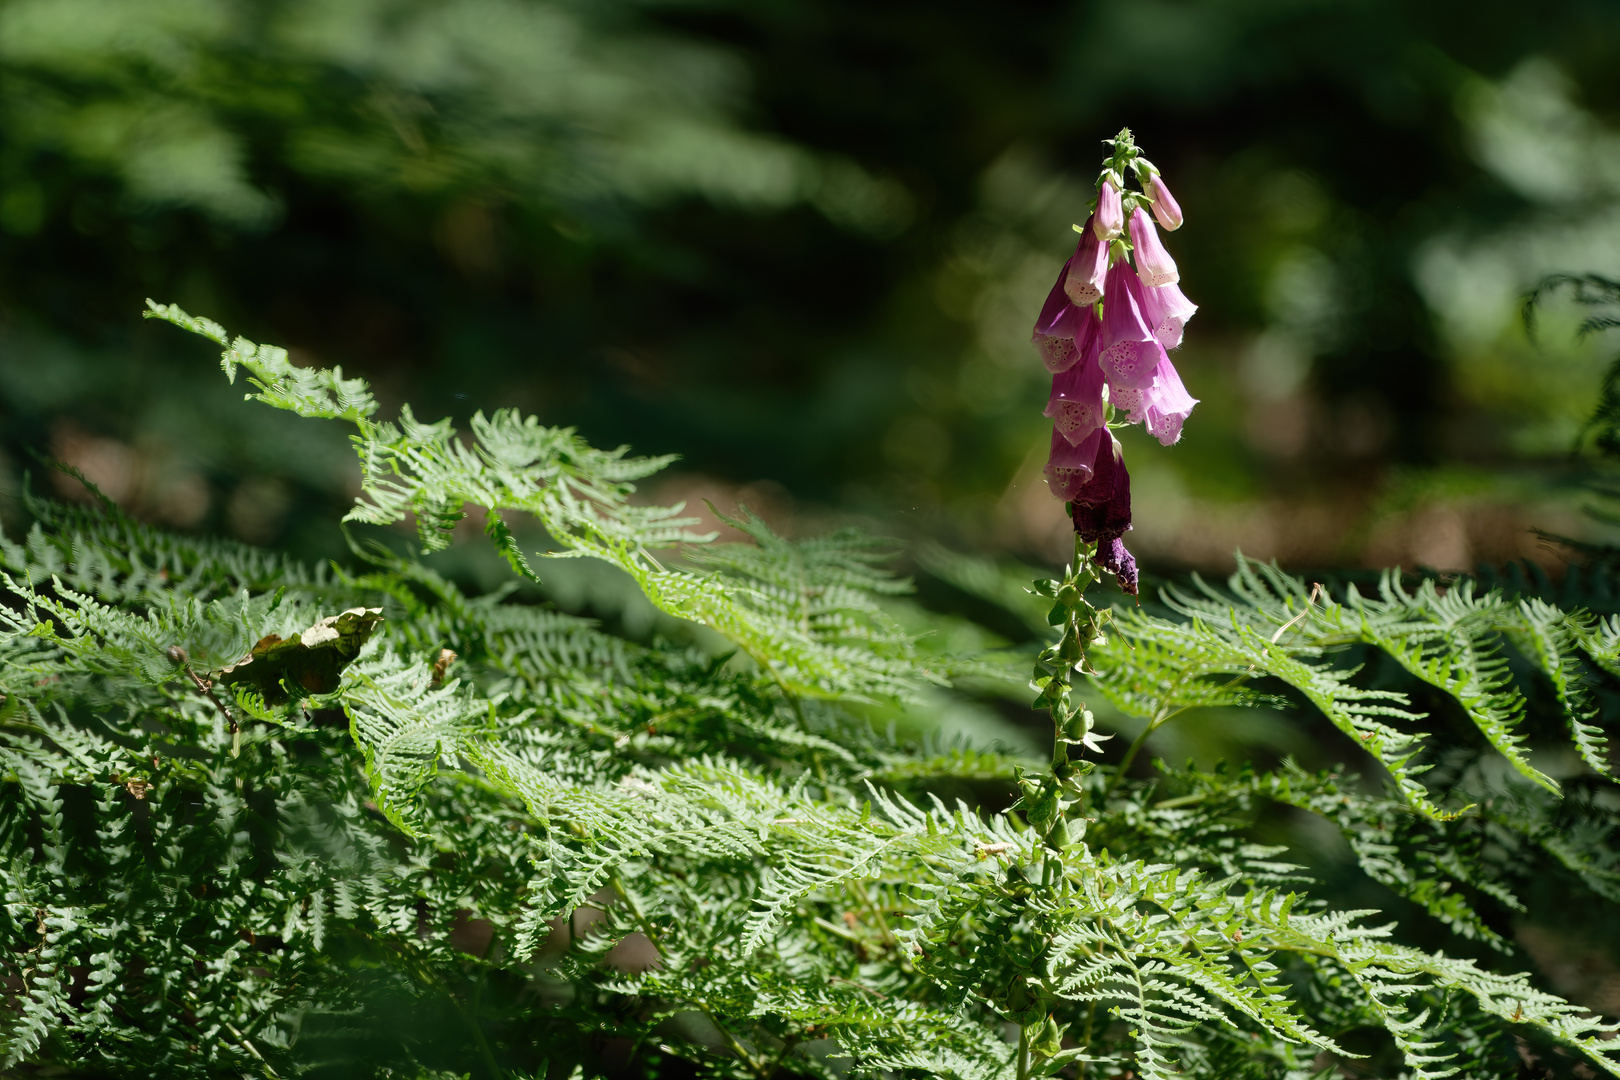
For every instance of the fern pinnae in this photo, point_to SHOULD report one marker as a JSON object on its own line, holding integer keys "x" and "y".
{"x": 800, "y": 874}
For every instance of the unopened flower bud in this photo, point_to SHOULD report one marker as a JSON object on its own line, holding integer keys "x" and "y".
{"x": 1048, "y": 1042}
{"x": 1079, "y": 725}
{"x": 1153, "y": 264}
{"x": 1045, "y": 808}
{"x": 1070, "y": 648}
{"x": 1060, "y": 837}
{"x": 1109, "y": 220}
{"x": 1165, "y": 207}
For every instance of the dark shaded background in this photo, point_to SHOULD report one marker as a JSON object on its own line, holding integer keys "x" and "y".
{"x": 801, "y": 244}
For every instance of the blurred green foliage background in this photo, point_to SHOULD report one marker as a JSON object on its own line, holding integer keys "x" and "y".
{"x": 801, "y": 244}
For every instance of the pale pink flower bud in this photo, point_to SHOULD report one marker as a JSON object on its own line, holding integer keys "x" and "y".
{"x": 1076, "y": 404}
{"x": 1083, "y": 281}
{"x": 1165, "y": 207}
{"x": 1153, "y": 263}
{"x": 1167, "y": 310}
{"x": 1130, "y": 352}
{"x": 1109, "y": 220}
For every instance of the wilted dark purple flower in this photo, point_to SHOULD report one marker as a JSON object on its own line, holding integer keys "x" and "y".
{"x": 1101, "y": 509}
{"x": 1112, "y": 556}
{"x": 1130, "y": 352}
{"x": 1167, "y": 310}
{"x": 1070, "y": 466}
{"x": 1102, "y": 504}
{"x": 1153, "y": 264}
{"x": 1076, "y": 404}
{"x": 1083, "y": 279}
{"x": 1109, "y": 220}
{"x": 1165, "y": 207}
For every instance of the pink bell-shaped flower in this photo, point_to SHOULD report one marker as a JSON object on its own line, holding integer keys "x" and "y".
{"x": 1167, "y": 310}
{"x": 1163, "y": 404}
{"x": 1168, "y": 404}
{"x": 1057, "y": 325}
{"x": 1165, "y": 207}
{"x": 1109, "y": 220}
{"x": 1084, "y": 279}
{"x": 1132, "y": 404}
{"x": 1069, "y": 467}
{"x": 1076, "y": 405}
{"x": 1130, "y": 352}
{"x": 1153, "y": 263}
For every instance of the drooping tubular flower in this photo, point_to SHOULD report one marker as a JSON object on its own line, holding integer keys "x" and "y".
{"x": 1130, "y": 352}
{"x": 1076, "y": 406}
{"x": 1072, "y": 466}
{"x": 1058, "y": 324}
{"x": 1164, "y": 405}
{"x": 1169, "y": 405}
{"x": 1083, "y": 275}
{"x": 1103, "y": 333}
{"x": 1153, "y": 264}
{"x": 1167, "y": 310}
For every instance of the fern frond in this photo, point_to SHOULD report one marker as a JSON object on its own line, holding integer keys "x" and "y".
{"x": 1270, "y": 624}
{"x": 804, "y": 612}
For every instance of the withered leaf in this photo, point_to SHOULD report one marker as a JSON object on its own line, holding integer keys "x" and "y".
{"x": 441, "y": 665}
{"x": 311, "y": 663}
